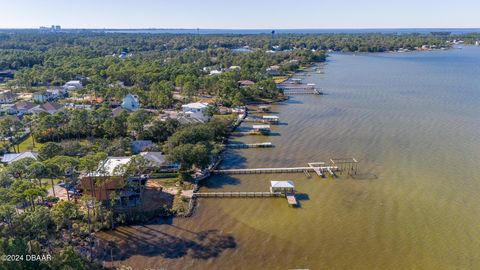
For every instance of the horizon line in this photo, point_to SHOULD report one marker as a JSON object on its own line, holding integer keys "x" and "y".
{"x": 199, "y": 28}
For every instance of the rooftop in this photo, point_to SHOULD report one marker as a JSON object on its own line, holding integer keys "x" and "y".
{"x": 282, "y": 184}
{"x": 195, "y": 105}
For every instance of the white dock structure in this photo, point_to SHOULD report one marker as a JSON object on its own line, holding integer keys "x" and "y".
{"x": 299, "y": 89}
{"x": 318, "y": 170}
{"x": 278, "y": 189}
{"x": 249, "y": 145}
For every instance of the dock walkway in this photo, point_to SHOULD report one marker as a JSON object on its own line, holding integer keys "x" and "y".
{"x": 238, "y": 194}
{"x": 249, "y": 145}
{"x": 318, "y": 170}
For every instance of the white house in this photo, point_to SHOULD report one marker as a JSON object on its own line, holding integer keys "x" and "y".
{"x": 73, "y": 85}
{"x": 7, "y": 96}
{"x": 108, "y": 166}
{"x": 9, "y": 158}
{"x": 195, "y": 110}
{"x": 130, "y": 102}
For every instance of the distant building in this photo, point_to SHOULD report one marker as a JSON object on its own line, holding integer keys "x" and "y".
{"x": 42, "y": 96}
{"x": 234, "y": 68}
{"x": 274, "y": 70}
{"x": 57, "y": 93}
{"x": 245, "y": 83}
{"x": 215, "y": 72}
{"x": 6, "y": 96}
{"x": 49, "y": 107}
{"x": 9, "y": 158}
{"x": 73, "y": 85}
{"x": 130, "y": 102}
{"x": 195, "y": 110}
{"x": 24, "y": 107}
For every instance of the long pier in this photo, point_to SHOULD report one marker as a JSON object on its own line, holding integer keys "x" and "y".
{"x": 238, "y": 194}
{"x": 249, "y": 145}
{"x": 302, "y": 92}
{"x": 320, "y": 171}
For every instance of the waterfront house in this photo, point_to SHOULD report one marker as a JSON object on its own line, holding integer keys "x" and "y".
{"x": 6, "y": 96}
{"x": 73, "y": 85}
{"x": 106, "y": 179}
{"x": 9, "y": 158}
{"x": 159, "y": 161}
{"x": 195, "y": 110}
{"x": 130, "y": 102}
{"x": 282, "y": 186}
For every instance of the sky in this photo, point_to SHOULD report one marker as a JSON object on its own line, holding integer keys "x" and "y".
{"x": 242, "y": 14}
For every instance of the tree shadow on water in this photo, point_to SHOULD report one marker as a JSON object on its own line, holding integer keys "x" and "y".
{"x": 151, "y": 242}
{"x": 219, "y": 181}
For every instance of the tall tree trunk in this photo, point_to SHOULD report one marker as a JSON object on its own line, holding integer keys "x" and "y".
{"x": 53, "y": 187}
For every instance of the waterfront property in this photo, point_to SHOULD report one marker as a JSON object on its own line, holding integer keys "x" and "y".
{"x": 195, "y": 110}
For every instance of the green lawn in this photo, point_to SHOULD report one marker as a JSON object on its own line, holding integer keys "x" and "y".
{"x": 27, "y": 145}
{"x": 166, "y": 182}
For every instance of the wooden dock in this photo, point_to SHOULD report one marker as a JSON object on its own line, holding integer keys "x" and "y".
{"x": 291, "y": 200}
{"x": 249, "y": 145}
{"x": 303, "y": 92}
{"x": 237, "y": 194}
{"x": 318, "y": 170}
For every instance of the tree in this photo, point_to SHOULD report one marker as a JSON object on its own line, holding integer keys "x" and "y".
{"x": 37, "y": 170}
{"x": 190, "y": 154}
{"x": 68, "y": 259}
{"x": 49, "y": 150}
{"x": 137, "y": 120}
{"x": 19, "y": 168}
{"x": 33, "y": 193}
{"x": 63, "y": 214}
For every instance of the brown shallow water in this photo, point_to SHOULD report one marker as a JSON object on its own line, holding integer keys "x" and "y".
{"x": 413, "y": 122}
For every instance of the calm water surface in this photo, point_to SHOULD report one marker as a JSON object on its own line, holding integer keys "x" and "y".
{"x": 411, "y": 119}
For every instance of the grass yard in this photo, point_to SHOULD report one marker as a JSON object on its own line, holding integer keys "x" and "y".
{"x": 27, "y": 145}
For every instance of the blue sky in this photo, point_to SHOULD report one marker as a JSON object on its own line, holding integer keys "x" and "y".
{"x": 245, "y": 14}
